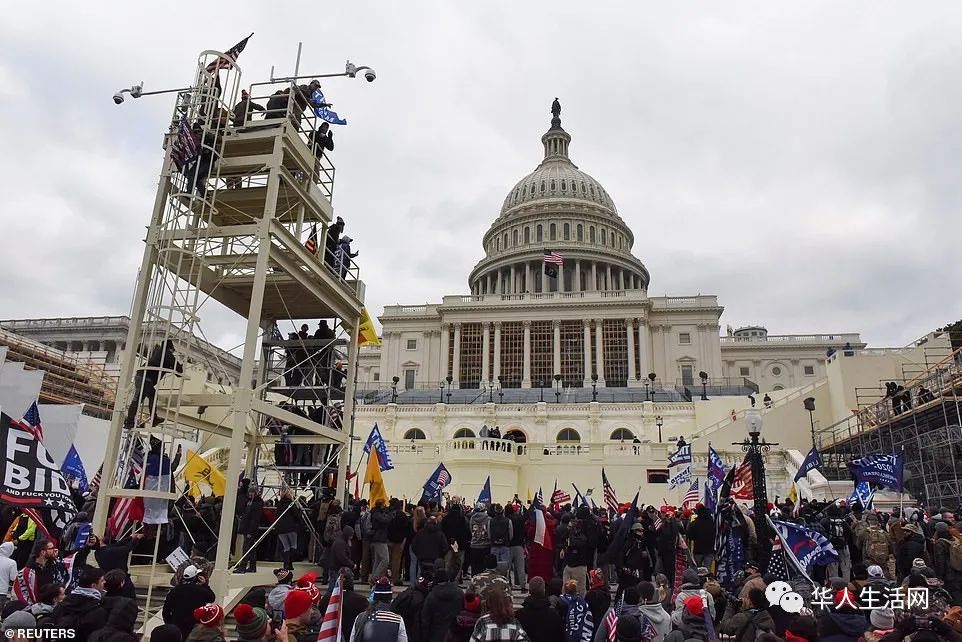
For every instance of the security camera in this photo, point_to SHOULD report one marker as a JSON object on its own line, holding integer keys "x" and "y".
{"x": 118, "y": 98}
{"x": 369, "y": 75}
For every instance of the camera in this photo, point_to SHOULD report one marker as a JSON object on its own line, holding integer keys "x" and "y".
{"x": 118, "y": 98}
{"x": 369, "y": 75}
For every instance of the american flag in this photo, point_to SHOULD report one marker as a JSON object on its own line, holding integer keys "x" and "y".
{"x": 691, "y": 497}
{"x": 129, "y": 509}
{"x": 611, "y": 624}
{"x": 610, "y": 500}
{"x": 230, "y": 56}
{"x": 311, "y": 244}
{"x": 331, "y": 624}
{"x": 776, "y": 564}
{"x": 187, "y": 146}
{"x": 538, "y": 499}
{"x": 444, "y": 478}
{"x": 742, "y": 484}
{"x": 559, "y": 496}
{"x": 550, "y": 256}
{"x": 658, "y": 521}
{"x": 31, "y": 422}
{"x": 95, "y": 482}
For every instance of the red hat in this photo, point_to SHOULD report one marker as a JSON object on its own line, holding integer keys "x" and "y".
{"x": 595, "y": 579}
{"x": 695, "y": 606}
{"x": 472, "y": 602}
{"x": 209, "y": 615}
{"x": 297, "y": 603}
{"x": 306, "y": 583}
{"x": 251, "y": 622}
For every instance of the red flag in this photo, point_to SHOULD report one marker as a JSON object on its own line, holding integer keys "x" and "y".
{"x": 742, "y": 484}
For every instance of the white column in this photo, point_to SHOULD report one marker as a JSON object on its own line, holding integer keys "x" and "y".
{"x": 576, "y": 280}
{"x": 608, "y": 284}
{"x": 624, "y": 280}
{"x": 526, "y": 372}
{"x": 630, "y": 334}
{"x": 513, "y": 288}
{"x": 485, "y": 349}
{"x": 587, "y": 351}
{"x": 599, "y": 352}
{"x": 544, "y": 280}
{"x": 643, "y": 366}
{"x": 556, "y": 326}
{"x": 445, "y": 341}
{"x": 497, "y": 351}
{"x": 670, "y": 373}
{"x": 594, "y": 277}
{"x": 487, "y": 289}
{"x": 527, "y": 277}
{"x": 456, "y": 362}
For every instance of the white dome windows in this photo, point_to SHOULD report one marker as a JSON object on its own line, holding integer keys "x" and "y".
{"x": 552, "y": 232}
{"x": 539, "y": 234}
{"x": 566, "y": 232}
{"x": 527, "y": 235}
{"x": 604, "y": 236}
{"x": 564, "y": 186}
{"x": 514, "y": 239}
{"x": 591, "y": 234}
{"x": 580, "y": 232}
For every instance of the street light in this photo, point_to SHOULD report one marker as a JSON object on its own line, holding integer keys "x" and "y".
{"x": 651, "y": 378}
{"x": 394, "y": 382}
{"x": 541, "y": 390}
{"x": 659, "y": 422}
{"x": 594, "y": 386}
{"x": 450, "y": 381}
{"x": 755, "y": 447}
{"x": 557, "y": 392}
{"x": 704, "y": 385}
{"x": 810, "y": 407}
{"x": 441, "y": 393}
{"x": 500, "y": 391}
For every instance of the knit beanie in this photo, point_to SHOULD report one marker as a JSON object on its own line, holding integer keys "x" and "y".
{"x": 695, "y": 606}
{"x": 882, "y": 619}
{"x": 166, "y": 633}
{"x": 19, "y": 620}
{"x": 251, "y": 621}
{"x": 472, "y": 602}
{"x": 297, "y": 603}
{"x": 210, "y": 615}
{"x": 306, "y": 583}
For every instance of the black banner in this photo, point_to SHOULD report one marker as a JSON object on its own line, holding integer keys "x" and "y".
{"x": 30, "y": 477}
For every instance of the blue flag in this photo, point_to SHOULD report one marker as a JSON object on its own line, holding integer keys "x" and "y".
{"x": 812, "y": 461}
{"x": 716, "y": 475}
{"x": 681, "y": 477}
{"x": 80, "y": 539}
{"x": 73, "y": 468}
{"x": 435, "y": 484}
{"x": 321, "y": 110}
{"x": 884, "y": 470}
{"x": 375, "y": 439}
{"x": 863, "y": 494}
{"x": 711, "y": 497}
{"x": 808, "y": 546}
{"x": 485, "y": 496}
{"x": 680, "y": 456}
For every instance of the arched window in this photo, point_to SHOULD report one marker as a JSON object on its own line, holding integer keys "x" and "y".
{"x": 514, "y": 237}
{"x": 524, "y": 191}
{"x": 591, "y": 188}
{"x": 564, "y": 186}
{"x": 604, "y": 236}
{"x": 516, "y": 436}
{"x": 527, "y": 235}
{"x": 505, "y": 243}
{"x": 581, "y": 232}
{"x": 778, "y": 387}
{"x": 499, "y": 244}
{"x": 552, "y": 232}
{"x": 538, "y": 234}
{"x": 552, "y": 185}
{"x": 542, "y": 187}
{"x": 622, "y": 434}
{"x": 567, "y": 231}
{"x": 568, "y": 434}
{"x": 591, "y": 234}
{"x": 415, "y": 433}
{"x": 464, "y": 433}
{"x": 584, "y": 188}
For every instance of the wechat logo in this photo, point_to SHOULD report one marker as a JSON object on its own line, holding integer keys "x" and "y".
{"x": 781, "y": 593}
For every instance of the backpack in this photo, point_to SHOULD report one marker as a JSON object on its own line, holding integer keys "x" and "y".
{"x": 499, "y": 531}
{"x": 367, "y": 528}
{"x": 331, "y": 529}
{"x": 836, "y": 531}
{"x": 955, "y": 554}
{"x": 876, "y": 544}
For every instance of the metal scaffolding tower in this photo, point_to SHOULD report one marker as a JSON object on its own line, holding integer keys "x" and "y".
{"x": 230, "y": 226}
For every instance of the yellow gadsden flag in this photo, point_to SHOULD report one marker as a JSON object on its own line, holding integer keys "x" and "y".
{"x": 373, "y": 477}
{"x": 366, "y": 332}
{"x": 198, "y": 471}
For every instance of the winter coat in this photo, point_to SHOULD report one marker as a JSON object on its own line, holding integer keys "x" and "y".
{"x": 753, "y": 582}
{"x": 250, "y": 521}
{"x": 601, "y": 631}
{"x": 686, "y": 591}
{"x": 576, "y": 548}
{"x": 83, "y": 614}
{"x": 540, "y": 620}
{"x": 410, "y": 605}
{"x": 701, "y": 532}
{"x": 462, "y": 627}
{"x": 845, "y": 625}
{"x": 500, "y": 531}
{"x": 286, "y": 521}
{"x": 658, "y": 617}
{"x": 429, "y": 544}
{"x": 480, "y": 530}
{"x": 352, "y": 605}
{"x": 441, "y": 607}
{"x": 380, "y": 625}
{"x": 201, "y": 633}
{"x": 120, "y": 623}
{"x": 455, "y": 528}
{"x": 578, "y": 624}
{"x": 275, "y": 600}
{"x": 8, "y": 568}
{"x": 911, "y": 547}
{"x": 487, "y": 630}
{"x": 599, "y": 601}
{"x": 518, "y": 523}
{"x": 380, "y": 520}
{"x": 181, "y": 602}
{"x": 339, "y": 555}
{"x": 746, "y": 624}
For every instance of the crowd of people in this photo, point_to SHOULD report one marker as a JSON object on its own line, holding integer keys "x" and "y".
{"x": 450, "y": 572}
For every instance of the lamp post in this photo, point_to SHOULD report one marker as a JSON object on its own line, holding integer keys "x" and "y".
{"x": 394, "y": 382}
{"x": 755, "y": 447}
{"x": 594, "y": 386}
{"x": 557, "y": 391}
{"x": 810, "y": 407}
{"x": 441, "y": 393}
{"x": 541, "y": 390}
{"x": 490, "y": 385}
{"x": 704, "y": 385}
{"x": 450, "y": 380}
{"x": 500, "y": 391}
{"x": 646, "y": 390}
{"x": 659, "y": 422}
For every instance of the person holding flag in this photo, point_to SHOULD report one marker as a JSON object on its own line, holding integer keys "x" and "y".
{"x": 540, "y": 531}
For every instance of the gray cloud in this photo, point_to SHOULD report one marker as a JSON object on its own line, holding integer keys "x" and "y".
{"x": 799, "y": 161}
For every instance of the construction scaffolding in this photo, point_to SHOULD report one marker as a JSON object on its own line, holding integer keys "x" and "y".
{"x": 237, "y": 200}
{"x": 922, "y": 420}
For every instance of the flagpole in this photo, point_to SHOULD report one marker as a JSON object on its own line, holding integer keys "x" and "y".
{"x": 902, "y": 485}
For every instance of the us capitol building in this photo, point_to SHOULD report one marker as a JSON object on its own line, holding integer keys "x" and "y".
{"x": 580, "y": 371}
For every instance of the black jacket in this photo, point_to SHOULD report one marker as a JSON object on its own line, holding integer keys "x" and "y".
{"x": 702, "y": 534}
{"x": 286, "y": 521}
{"x": 455, "y": 528}
{"x": 120, "y": 623}
{"x": 181, "y": 602}
{"x": 250, "y": 521}
{"x": 380, "y": 520}
{"x": 441, "y": 606}
{"x": 577, "y": 548}
{"x": 429, "y": 544}
{"x": 353, "y": 604}
{"x": 410, "y": 605}
{"x": 80, "y": 613}
{"x": 599, "y": 600}
{"x": 518, "y": 525}
{"x": 540, "y": 620}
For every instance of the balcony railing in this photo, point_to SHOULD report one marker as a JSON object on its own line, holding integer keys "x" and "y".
{"x": 837, "y": 340}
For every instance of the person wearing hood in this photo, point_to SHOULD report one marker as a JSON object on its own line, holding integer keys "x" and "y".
{"x": 277, "y": 595}
{"x": 598, "y": 596}
{"x": 82, "y": 610}
{"x": 343, "y": 255}
{"x": 701, "y": 532}
{"x": 463, "y": 625}
{"x": 330, "y": 242}
{"x": 540, "y": 620}
{"x": 339, "y": 555}
{"x": 844, "y": 623}
{"x": 501, "y": 531}
{"x": 751, "y": 621}
{"x": 941, "y": 550}
{"x": 429, "y": 545}
{"x": 8, "y": 571}
{"x": 909, "y": 543}
{"x": 120, "y": 623}
{"x": 210, "y": 624}
{"x": 441, "y": 607}
{"x": 480, "y": 526}
{"x": 690, "y": 585}
{"x": 192, "y": 593}
{"x": 455, "y": 529}
{"x": 249, "y": 526}
{"x": 693, "y": 625}
{"x": 48, "y": 597}
{"x": 639, "y": 602}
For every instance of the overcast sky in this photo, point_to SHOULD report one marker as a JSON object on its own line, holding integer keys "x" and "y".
{"x": 800, "y": 160}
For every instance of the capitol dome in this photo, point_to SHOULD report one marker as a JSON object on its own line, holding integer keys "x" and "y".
{"x": 560, "y": 209}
